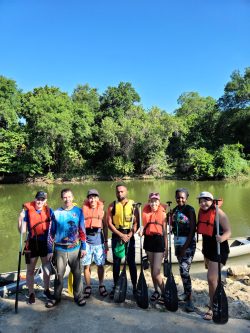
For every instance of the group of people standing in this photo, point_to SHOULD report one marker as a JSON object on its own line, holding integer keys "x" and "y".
{"x": 79, "y": 236}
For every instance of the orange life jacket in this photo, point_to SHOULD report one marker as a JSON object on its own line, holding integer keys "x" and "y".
{"x": 93, "y": 217}
{"x": 153, "y": 221}
{"x": 39, "y": 222}
{"x": 206, "y": 219}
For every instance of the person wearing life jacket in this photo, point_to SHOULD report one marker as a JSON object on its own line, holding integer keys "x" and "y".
{"x": 96, "y": 242}
{"x": 207, "y": 226}
{"x": 183, "y": 228}
{"x": 122, "y": 221}
{"x": 155, "y": 241}
{"x": 35, "y": 220}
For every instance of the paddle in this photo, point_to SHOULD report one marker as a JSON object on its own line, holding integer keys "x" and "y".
{"x": 121, "y": 285}
{"x": 220, "y": 303}
{"x": 70, "y": 284}
{"x": 141, "y": 288}
{"x": 170, "y": 292}
{"x": 19, "y": 266}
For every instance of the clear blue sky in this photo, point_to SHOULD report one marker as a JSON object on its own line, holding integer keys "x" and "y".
{"x": 162, "y": 47}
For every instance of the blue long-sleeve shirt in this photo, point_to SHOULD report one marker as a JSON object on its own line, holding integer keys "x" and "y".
{"x": 67, "y": 230}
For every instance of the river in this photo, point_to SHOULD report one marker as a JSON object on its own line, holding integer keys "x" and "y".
{"x": 235, "y": 203}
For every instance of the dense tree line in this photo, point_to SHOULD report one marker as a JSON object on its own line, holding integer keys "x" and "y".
{"x": 48, "y": 132}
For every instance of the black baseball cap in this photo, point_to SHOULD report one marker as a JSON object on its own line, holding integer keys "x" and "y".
{"x": 41, "y": 194}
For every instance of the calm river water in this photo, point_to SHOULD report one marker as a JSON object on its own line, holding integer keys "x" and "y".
{"x": 235, "y": 196}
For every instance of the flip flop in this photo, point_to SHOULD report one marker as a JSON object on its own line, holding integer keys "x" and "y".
{"x": 102, "y": 290}
{"x": 208, "y": 315}
{"x": 87, "y": 292}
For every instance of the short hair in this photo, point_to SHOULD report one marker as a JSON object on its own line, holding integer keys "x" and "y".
{"x": 182, "y": 189}
{"x": 118, "y": 185}
{"x": 64, "y": 191}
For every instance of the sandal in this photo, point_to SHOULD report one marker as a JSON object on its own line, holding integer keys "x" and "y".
{"x": 81, "y": 302}
{"x": 155, "y": 296}
{"x": 87, "y": 292}
{"x": 161, "y": 301}
{"x": 102, "y": 290}
{"x": 208, "y": 315}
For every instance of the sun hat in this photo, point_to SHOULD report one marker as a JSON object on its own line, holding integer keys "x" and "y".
{"x": 93, "y": 192}
{"x": 205, "y": 195}
{"x": 41, "y": 194}
{"x": 154, "y": 195}
{"x": 119, "y": 250}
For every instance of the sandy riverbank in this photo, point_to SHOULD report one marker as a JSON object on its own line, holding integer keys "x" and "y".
{"x": 103, "y": 315}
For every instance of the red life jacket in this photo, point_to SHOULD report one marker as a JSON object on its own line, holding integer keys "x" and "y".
{"x": 206, "y": 219}
{"x": 153, "y": 221}
{"x": 39, "y": 222}
{"x": 93, "y": 217}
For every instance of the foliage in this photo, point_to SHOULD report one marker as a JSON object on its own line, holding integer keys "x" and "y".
{"x": 48, "y": 132}
{"x": 229, "y": 162}
{"x": 200, "y": 163}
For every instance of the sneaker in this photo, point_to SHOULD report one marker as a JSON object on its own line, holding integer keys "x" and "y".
{"x": 189, "y": 306}
{"x": 32, "y": 299}
{"x": 47, "y": 294}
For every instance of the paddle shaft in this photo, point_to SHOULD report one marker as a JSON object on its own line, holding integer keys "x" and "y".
{"x": 19, "y": 266}
{"x": 169, "y": 235}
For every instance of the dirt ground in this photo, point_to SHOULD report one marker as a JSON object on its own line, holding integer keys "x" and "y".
{"x": 102, "y": 315}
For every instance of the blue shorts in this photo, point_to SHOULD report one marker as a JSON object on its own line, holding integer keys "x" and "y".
{"x": 94, "y": 253}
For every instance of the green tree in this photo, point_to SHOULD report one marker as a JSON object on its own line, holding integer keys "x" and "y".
{"x": 117, "y": 101}
{"x": 200, "y": 164}
{"x": 229, "y": 162}
{"x": 48, "y": 115}
{"x": 234, "y": 122}
{"x": 11, "y": 133}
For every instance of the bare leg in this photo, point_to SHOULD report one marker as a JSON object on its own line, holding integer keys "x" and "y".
{"x": 87, "y": 275}
{"x": 212, "y": 278}
{"x": 100, "y": 272}
{"x": 30, "y": 274}
{"x": 158, "y": 256}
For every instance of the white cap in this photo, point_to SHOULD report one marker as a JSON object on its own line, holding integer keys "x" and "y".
{"x": 205, "y": 195}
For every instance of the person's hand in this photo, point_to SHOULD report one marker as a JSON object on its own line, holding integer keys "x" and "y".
{"x": 49, "y": 256}
{"x": 106, "y": 247}
{"x": 125, "y": 238}
{"x": 166, "y": 254}
{"x": 83, "y": 253}
{"x": 219, "y": 238}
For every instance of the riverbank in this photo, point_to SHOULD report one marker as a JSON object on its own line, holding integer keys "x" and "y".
{"x": 102, "y": 314}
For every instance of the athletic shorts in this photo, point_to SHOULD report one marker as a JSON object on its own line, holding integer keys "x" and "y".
{"x": 154, "y": 243}
{"x": 94, "y": 253}
{"x": 38, "y": 248}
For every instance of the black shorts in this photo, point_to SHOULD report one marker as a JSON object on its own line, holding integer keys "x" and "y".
{"x": 38, "y": 248}
{"x": 154, "y": 243}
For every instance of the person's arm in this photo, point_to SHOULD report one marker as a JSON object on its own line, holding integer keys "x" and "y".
{"x": 51, "y": 236}
{"x": 192, "y": 220}
{"x": 165, "y": 235}
{"x": 22, "y": 222}
{"x": 224, "y": 222}
{"x": 82, "y": 234}
{"x": 105, "y": 231}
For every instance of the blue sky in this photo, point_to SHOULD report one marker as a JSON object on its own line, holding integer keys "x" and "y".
{"x": 163, "y": 48}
